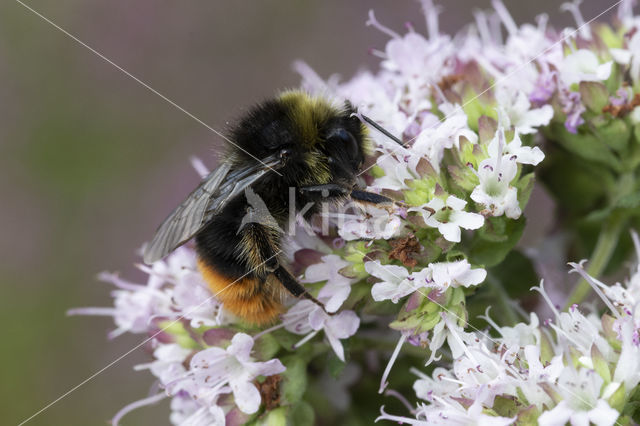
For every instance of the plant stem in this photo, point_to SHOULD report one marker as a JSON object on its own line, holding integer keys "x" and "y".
{"x": 607, "y": 242}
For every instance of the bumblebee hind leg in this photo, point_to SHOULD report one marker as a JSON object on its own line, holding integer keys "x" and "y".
{"x": 261, "y": 249}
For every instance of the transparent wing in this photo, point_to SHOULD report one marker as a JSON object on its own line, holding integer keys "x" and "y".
{"x": 203, "y": 203}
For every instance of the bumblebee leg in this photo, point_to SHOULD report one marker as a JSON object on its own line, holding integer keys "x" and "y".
{"x": 261, "y": 250}
{"x": 370, "y": 198}
{"x": 294, "y": 287}
{"x": 326, "y": 190}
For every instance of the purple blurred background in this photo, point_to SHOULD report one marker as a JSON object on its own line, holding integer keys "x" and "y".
{"x": 92, "y": 161}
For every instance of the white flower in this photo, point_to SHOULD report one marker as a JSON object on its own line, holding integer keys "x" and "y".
{"x": 188, "y": 412}
{"x": 516, "y": 108}
{"x": 583, "y": 65}
{"x": 494, "y": 190}
{"x": 537, "y": 374}
{"x": 396, "y": 281}
{"x": 442, "y": 384}
{"x": 581, "y": 403}
{"x": 456, "y": 338}
{"x": 449, "y": 217}
{"x": 216, "y": 368}
{"x": 455, "y": 274}
{"x": 523, "y": 154}
{"x": 373, "y": 223}
{"x": 168, "y": 364}
{"x": 435, "y": 138}
{"x": 396, "y": 173}
{"x": 337, "y": 288}
{"x": 195, "y": 301}
{"x": 305, "y": 317}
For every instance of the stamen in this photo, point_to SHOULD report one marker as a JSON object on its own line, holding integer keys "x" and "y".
{"x": 307, "y": 73}
{"x": 625, "y": 10}
{"x": 378, "y": 53}
{"x": 483, "y": 27}
{"x": 505, "y": 17}
{"x": 636, "y": 243}
{"x": 392, "y": 360}
{"x": 305, "y": 339}
{"x": 137, "y": 404}
{"x": 269, "y": 330}
{"x": 431, "y": 13}
{"x": 100, "y": 311}
{"x": 574, "y": 9}
{"x": 542, "y": 21}
{"x": 373, "y": 22}
{"x": 577, "y": 267}
{"x": 546, "y": 298}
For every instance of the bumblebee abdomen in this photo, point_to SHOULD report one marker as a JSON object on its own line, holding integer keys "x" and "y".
{"x": 249, "y": 298}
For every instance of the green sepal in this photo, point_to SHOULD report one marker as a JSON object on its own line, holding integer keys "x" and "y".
{"x": 595, "y": 95}
{"x": 618, "y": 399}
{"x": 275, "y": 417}
{"x": 632, "y": 406}
{"x": 376, "y": 171}
{"x": 600, "y": 365}
{"x": 301, "y": 414}
{"x": 506, "y": 406}
{"x": 528, "y": 416}
{"x": 525, "y": 187}
{"x": 266, "y": 346}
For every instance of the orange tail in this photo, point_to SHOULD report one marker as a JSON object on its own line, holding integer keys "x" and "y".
{"x": 248, "y": 298}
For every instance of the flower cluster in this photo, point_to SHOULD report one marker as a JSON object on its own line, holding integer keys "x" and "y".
{"x": 409, "y": 283}
{"x": 579, "y": 367}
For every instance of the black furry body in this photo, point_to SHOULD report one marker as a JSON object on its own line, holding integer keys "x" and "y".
{"x": 327, "y": 149}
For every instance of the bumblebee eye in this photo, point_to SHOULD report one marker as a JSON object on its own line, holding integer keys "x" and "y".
{"x": 347, "y": 140}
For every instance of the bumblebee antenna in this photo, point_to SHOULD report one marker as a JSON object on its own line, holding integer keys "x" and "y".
{"x": 382, "y": 130}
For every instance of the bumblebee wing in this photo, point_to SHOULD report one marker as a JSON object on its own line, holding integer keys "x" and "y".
{"x": 202, "y": 204}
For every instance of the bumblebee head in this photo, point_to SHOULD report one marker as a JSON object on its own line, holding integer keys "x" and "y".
{"x": 325, "y": 143}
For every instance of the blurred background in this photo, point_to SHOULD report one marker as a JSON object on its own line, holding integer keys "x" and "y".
{"x": 91, "y": 161}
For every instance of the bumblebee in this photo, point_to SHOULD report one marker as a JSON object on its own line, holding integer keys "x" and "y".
{"x": 292, "y": 141}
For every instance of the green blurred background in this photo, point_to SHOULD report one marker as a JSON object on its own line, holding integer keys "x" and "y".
{"x": 91, "y": 161}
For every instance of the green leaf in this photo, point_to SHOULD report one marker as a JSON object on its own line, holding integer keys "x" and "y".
{"x": 584, "y": 145}
{"x": 614, "y": 133}
{"x": 294, "y": 379}
{"x": 491, "y": 251}
{"x": 335, "y": 366}
{"x": 516, "y": 274}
